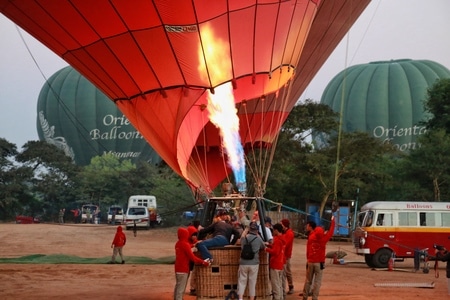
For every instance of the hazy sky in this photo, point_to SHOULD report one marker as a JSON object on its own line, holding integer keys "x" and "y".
{"x": 387, "y": 29}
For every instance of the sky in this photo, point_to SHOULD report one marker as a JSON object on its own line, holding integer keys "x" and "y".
{"x": 387, "y": 29}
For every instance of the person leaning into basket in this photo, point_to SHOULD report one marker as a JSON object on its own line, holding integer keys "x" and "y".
{"x": 248, "y": 268}
{"x": 223, "y": 234}
{"x": 183, "y": 255}
{"x": 443, "y": 255}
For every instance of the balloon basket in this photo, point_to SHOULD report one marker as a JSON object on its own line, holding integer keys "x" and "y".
{"x": 221, "y": 278}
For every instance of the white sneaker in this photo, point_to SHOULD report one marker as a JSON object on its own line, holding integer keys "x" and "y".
{"x": 209, "y": 261}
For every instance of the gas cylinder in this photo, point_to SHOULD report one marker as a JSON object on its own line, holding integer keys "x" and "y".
{"x": 391, "y": 263}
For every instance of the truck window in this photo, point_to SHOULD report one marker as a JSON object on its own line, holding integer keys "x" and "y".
{"x": 407, "y": 219}
{"x": 427, "y": 219}
{"x": 369, "y": 219}
{"x": 361, "y": 219}
{"x": 384, "y": 219}
{"x": 445, "y": 219}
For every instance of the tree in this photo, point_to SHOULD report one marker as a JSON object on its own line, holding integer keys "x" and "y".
{"x": 287, "y": 182}
{"x": 438, "y": 104}
{"x": 102, "y": 181}
{"x": 355, "y": 167}
{"x": 431, "y": 162}
{"x": 14, "y": 190}
{"x": 52, "y": 175}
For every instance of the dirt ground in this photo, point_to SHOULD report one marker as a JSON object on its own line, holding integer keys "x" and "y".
{"x": 352, "y": 280}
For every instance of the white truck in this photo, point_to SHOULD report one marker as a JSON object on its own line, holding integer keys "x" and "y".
{"x": 148, "y": 201}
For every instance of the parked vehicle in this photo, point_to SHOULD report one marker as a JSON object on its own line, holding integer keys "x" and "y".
{"x": 115, "y": 212}
{"x": 149, "y": 202}
{"x": 137, "y": 216}
{"x": 89, "y": 210}
{"x": 399, "y": 230}
{"x": 188, "y": 215}
{"x": 27, "y": 220}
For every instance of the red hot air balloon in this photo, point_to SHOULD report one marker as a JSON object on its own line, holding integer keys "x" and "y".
{"x": 158, "y": 61}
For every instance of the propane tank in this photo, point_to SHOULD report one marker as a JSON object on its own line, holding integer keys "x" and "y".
{"x": 335, "y": 259}
{"x": 391, "y": 263}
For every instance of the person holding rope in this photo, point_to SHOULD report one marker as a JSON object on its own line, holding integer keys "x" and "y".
{"x": 315, "y": 257}
{"x": 443, "y": 255}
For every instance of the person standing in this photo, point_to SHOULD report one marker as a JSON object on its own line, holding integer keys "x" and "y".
{"x": 443, "y": 255}
{"x": 315, "y": 257}
{"x": 288, "y": 236}
{"x": 61, "y": 215}
{"x": 243, "y": 218}
{"x": 248, "y": 268}
{"x": 277, "y": 262}
{"x": 267, "y": 234}
{"x": 268, "y": 224}
{"x": 88, "y": 215}
{"x": 183, "y": 255}
{"x": 117, "y": 245}
{"x": 193, "y": 239}
{"x": 75, "y": 212}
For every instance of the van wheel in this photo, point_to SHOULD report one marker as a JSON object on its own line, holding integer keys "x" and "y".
{"x": 381, "y": 258}
{"x": 369, "y": 260}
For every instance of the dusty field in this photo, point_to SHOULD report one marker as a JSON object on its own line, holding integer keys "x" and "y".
{"x": 132, "y": 281}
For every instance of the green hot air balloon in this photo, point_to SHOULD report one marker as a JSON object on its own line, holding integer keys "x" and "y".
{"x": 78, "y": 118}
{"x": 385, "y": 98}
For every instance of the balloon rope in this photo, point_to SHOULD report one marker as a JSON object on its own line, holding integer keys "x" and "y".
{"x": 286, "y": 92}
{"x": 341, "y": 118}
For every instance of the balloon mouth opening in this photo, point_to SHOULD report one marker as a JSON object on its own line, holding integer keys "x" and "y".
{"x": 227, "y": 189}
{"x": 242, "y": 188}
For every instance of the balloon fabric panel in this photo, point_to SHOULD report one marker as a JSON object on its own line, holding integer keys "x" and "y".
{"x": 156, "y": 60}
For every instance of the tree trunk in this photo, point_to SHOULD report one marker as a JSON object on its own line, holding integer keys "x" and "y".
{"x": 437, "y": 191}
{"x": 324, "y": 202}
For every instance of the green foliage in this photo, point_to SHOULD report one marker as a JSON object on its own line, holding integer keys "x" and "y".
{"x": 438, "y": 104}
{"x": 39, "y": 180}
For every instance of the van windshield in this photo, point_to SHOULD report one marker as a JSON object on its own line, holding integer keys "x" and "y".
{"x": 137, "y": 211}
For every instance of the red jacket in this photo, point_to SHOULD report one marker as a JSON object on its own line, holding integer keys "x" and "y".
{"x": 119, "y": 239}
{"x": 289, "y": 239}
{"x": 317, "y": 241}
{"x": 276, "y": 251}
{"x": 183, "y": 252}
{"x": 193, "y": 232}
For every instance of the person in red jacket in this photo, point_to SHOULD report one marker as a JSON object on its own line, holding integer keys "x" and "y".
{"x": 288, "y": 236}
{"x": 117, "y": 244}
{"x": 315, "y": 257}
{"x": 277, "y": 262}
{"x": 193, "y": 239}
{"x": 183, "y": 255}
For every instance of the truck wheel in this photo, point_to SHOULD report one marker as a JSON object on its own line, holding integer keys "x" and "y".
{"x": 369, "y": 260}
{"x": 381, "y": 258}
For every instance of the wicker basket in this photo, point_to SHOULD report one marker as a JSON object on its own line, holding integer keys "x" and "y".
{"x": 221, "y": 278}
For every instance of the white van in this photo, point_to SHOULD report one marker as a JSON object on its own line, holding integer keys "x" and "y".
{"x": 148, "y": 201}
{"x": 137, "y": 215}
